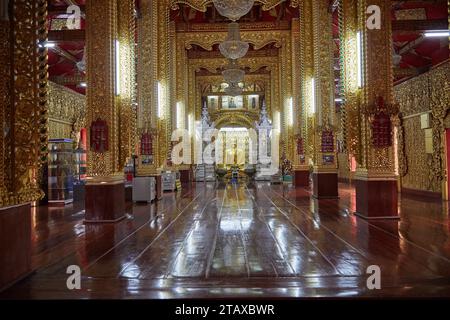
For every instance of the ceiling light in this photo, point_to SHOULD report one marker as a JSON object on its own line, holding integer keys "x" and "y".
{"x": 47, "y": 45}
{"x": 160, "y": 100}
{"x": 118, "y": 76}
{"x": 312, "y": 109}
{"x": 232, "y": 73}
{"x": 233, "y": 9}
{"x": 291, "y": 111}
{"x": 359, "y": 52}
{"x": 434, "y": 34}
{"x": 233, "y": 89}
{"x": 233, "y": 47}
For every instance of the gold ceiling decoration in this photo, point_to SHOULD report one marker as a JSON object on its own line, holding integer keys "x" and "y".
{"x": 259, "y": 39}
{"x": 201, "y": 5}
{"x": 254, "y": 64}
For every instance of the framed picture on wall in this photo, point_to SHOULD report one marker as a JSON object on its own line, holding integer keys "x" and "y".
{"x": 213, "y": 102}
{"x": 232, "y": 102}
{"x": 253, "y": 102}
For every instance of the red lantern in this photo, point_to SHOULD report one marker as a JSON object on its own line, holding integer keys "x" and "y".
{"x": 327, "y": 141}
{"x": 99, "y": 136}
{"x": 146, "y": 144}
{"x": 381, "y": 131}
{"x": 381, "y": 124}
{"x": 300, "y": 149}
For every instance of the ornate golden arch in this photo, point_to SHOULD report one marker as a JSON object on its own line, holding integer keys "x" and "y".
{"x": 235, "y": 118}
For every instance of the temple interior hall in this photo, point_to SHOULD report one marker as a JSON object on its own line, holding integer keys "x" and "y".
{"x": 266, "y": 149}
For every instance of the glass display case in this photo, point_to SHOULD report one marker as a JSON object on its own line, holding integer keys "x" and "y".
{"x": 79, "y": 173}
{"x": 171, "y": 181}
{"x": 61, "y": 165}
{"x": 80, "y": 164}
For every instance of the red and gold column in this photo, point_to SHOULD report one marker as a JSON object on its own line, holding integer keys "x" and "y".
{"x": 23, "y": 121}
{"x": 109, "y": 114}
{"x": 304, "y": 61}
{"x": 325, "y": 179}
{"x": 368, "y": 90}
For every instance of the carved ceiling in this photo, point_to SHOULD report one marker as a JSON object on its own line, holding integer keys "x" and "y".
{"x": 204, "y": 5}
{"x": 410, "y": 18}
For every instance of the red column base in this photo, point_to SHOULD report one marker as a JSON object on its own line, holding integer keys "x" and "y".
{"x": 185, "y": 176}
{"x": 15, "y": 244}
{"x": 325, "y": 186}
{"x": 105, "y": 202}
{"x": 376, "y": 199}
{"x": 301, "y": 178}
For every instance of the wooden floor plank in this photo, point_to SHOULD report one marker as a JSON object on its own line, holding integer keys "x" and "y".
{"x": 255, "y": 240}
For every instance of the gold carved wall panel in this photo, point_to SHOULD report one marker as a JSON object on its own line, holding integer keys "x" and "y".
{"x": 426, "y": 93}
{"x": 420, "y": 174}
{"x": 67, "y": 112}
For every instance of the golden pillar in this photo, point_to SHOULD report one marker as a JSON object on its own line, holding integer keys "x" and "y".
{"x": 109, "y": 114}
{"x": 23, "y": 101}
{"x": 302, "y": 65}
{"x": 325, "y": 180}
{"x": 127, "y": 95}
{"x": 148, "y": 85}
{"x": 348, "y": 30}
{"x": 375, "y": 178}
{"x": 23, "y": 121}
{"x": 156, "y": 85}
{"x": 5, "y": 101}
{"x": 165, "y": 36}
{"x": 286, "y": 77}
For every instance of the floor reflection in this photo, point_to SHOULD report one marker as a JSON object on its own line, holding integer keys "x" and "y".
{"x": 242, "y": 240}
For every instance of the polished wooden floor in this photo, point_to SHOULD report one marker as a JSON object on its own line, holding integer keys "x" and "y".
{"x": 259, "y": 241}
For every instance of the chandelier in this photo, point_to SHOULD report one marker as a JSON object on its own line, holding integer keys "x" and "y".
{"x": 233, "y": 9}
{"x": 233, "y": 47}
{"x": 232, "y": 73}
{"x": 233, "y": 89}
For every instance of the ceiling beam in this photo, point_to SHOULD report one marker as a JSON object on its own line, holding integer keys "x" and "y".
{"x": 405, "y": 72}
{"x": 223, "y": 27}
{"x": 419, "y": 25}
{"x": 59, "y": 10}
{"x": 411, "y": 45}
{"x": 64, "y": 53}
{"x": 66, "y": 35}
{"x": 69, "y": 80}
